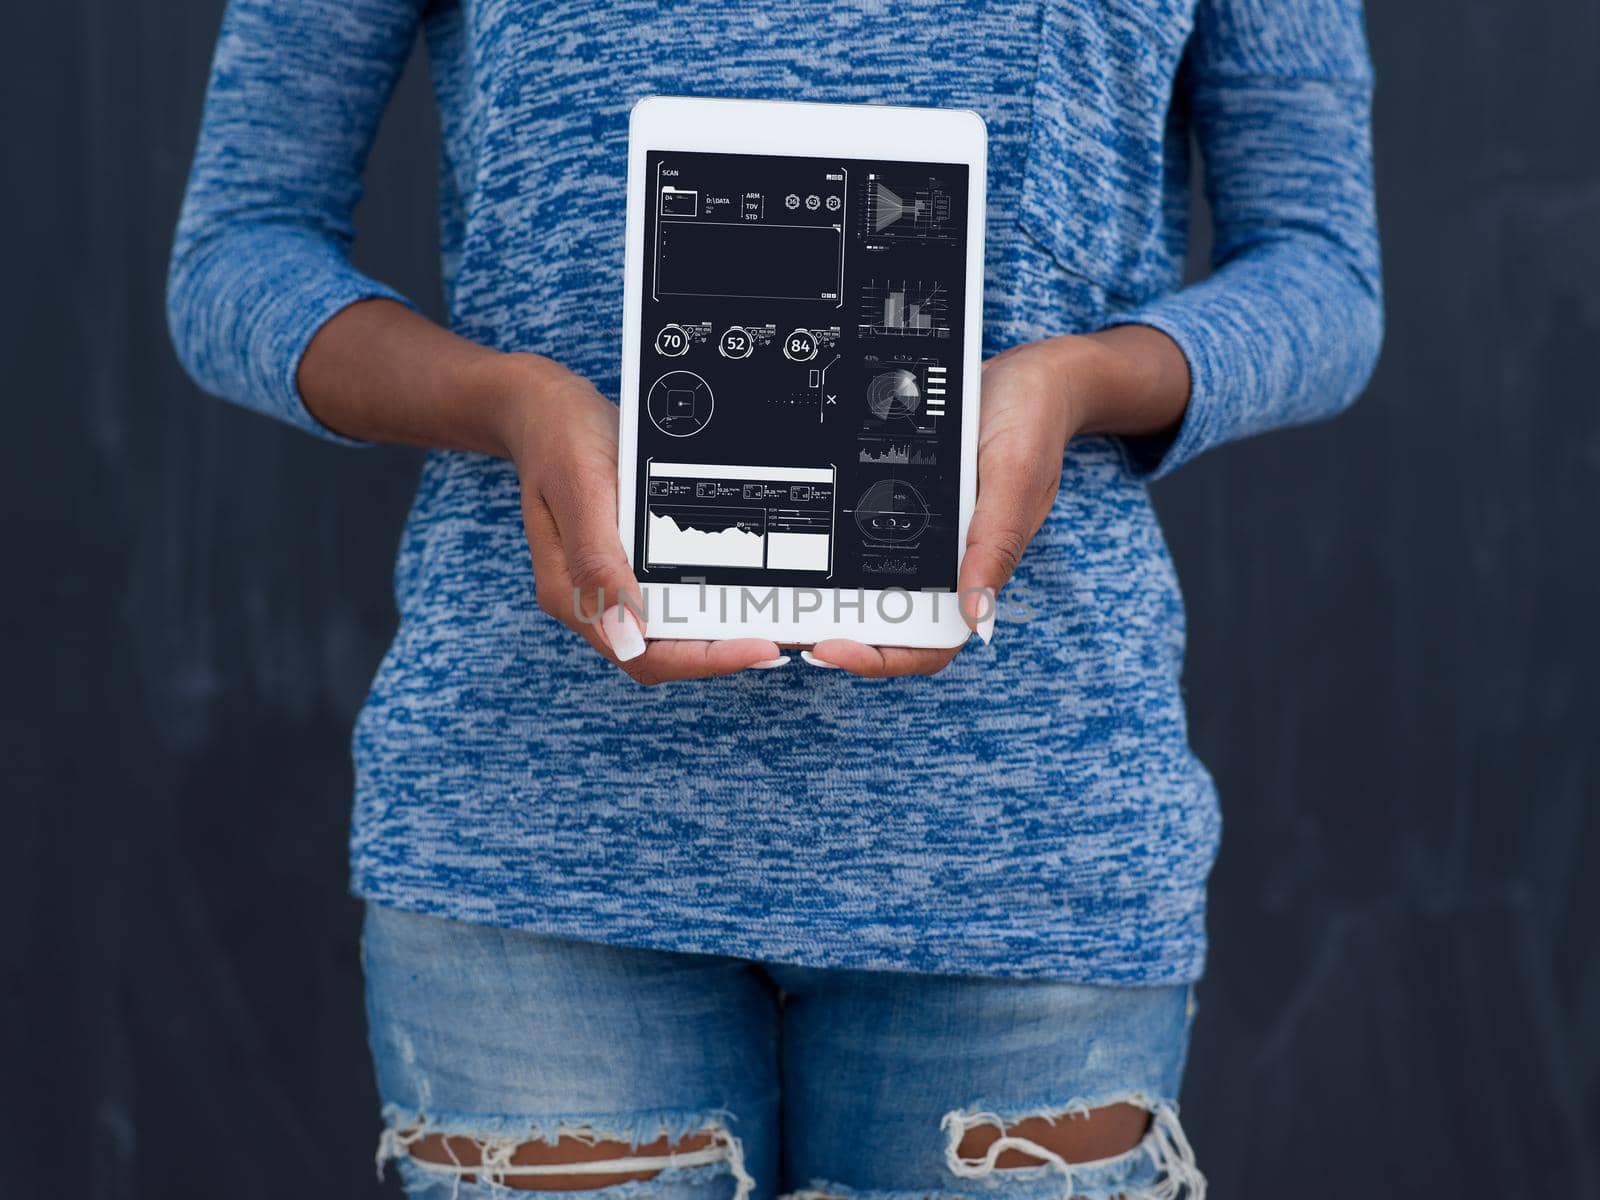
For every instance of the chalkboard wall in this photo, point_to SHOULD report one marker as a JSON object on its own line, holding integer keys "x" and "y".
{"x": 1393, "y": 652}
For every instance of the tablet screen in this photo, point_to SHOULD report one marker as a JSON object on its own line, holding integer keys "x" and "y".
{"x": 801, "y": 372}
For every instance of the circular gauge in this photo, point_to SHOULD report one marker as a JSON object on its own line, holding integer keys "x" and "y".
{"x": 800, "y": 346}
{"x": 672, "y": 341}
{"x": 791, "y": 201}
{"x": 680, "y": 404}
{"x": 893, "y": 394}
{"x": 833, "y": 203}
{"x": 891, "y": 510}
{"x": 735, "y": 342}
{"x": 813, "y": 202}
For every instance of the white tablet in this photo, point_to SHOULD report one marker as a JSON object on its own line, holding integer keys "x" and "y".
{"x": 802, "y": 330}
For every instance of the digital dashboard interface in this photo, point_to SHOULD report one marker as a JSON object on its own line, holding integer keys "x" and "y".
{"x": 801, "y": 372}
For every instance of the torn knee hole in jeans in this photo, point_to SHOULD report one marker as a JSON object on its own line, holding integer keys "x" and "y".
{"x": 571, "y": 1157}
{"x": 979, "y": 1143}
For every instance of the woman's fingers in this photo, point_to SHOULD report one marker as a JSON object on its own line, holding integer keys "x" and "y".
{"x": 1014, "y": 497}
{"x": 552, "y": 584}
{"x": 656, "y": 662}
{"x": 1015, "y": 491}
{"x": 877, "y": 662}
{"x": 583, "y": 504}
{"x": 665, "y": 662}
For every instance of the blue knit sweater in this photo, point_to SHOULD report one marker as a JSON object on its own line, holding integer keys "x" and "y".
{"x": 1035, "y": 810}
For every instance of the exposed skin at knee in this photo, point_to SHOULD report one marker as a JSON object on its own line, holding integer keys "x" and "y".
{"x": 1103, "y": 1133}
{"x": 465, "y": 1152}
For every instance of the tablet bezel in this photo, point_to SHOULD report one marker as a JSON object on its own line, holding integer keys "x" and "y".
{"x": 802, "y": 616}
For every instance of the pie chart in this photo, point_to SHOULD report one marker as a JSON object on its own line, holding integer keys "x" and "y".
{"x": 893, "y": 394}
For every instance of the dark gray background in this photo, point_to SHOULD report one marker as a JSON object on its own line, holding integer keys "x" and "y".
{"x": 1393, "y": 652}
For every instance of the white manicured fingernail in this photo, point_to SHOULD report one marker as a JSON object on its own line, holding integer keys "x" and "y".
{"x": 770, "y": 664}
{"x": 623, "y": 633}
{"x": 818, "y": 662}
{"x": 986, "y": 626}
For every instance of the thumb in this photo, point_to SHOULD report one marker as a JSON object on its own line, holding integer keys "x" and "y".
{"x": 1001, "y": 528}
{"x": 605, "y": 595}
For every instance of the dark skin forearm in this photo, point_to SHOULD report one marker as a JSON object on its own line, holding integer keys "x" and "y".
{"x": 1128, "y": 380}
{"x": 379, "y": 372}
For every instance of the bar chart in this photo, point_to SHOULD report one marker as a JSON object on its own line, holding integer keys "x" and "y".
{"x": 904, "y": 309}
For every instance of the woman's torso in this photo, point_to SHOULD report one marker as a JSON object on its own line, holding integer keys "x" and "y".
{"x": 1033, "y": 810}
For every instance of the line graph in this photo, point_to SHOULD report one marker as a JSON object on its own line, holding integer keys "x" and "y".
{"x": 707, "y": 537}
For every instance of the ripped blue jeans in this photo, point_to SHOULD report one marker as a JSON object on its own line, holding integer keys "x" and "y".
{"x": 802, "y": 1081}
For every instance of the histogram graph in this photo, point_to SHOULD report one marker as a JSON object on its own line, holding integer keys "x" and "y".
{"x": 886, "y": 452}
{"x": 904, "y": 309}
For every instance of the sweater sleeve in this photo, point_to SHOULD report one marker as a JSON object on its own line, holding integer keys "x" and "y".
{"x": 261, "y": 257}
{"x": 1288, "y": 326}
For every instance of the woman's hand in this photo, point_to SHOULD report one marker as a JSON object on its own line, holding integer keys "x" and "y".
{"x": 1130, "y": 379}
{"x": 381, "y": 372}
{"x": 561, "y": 435}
